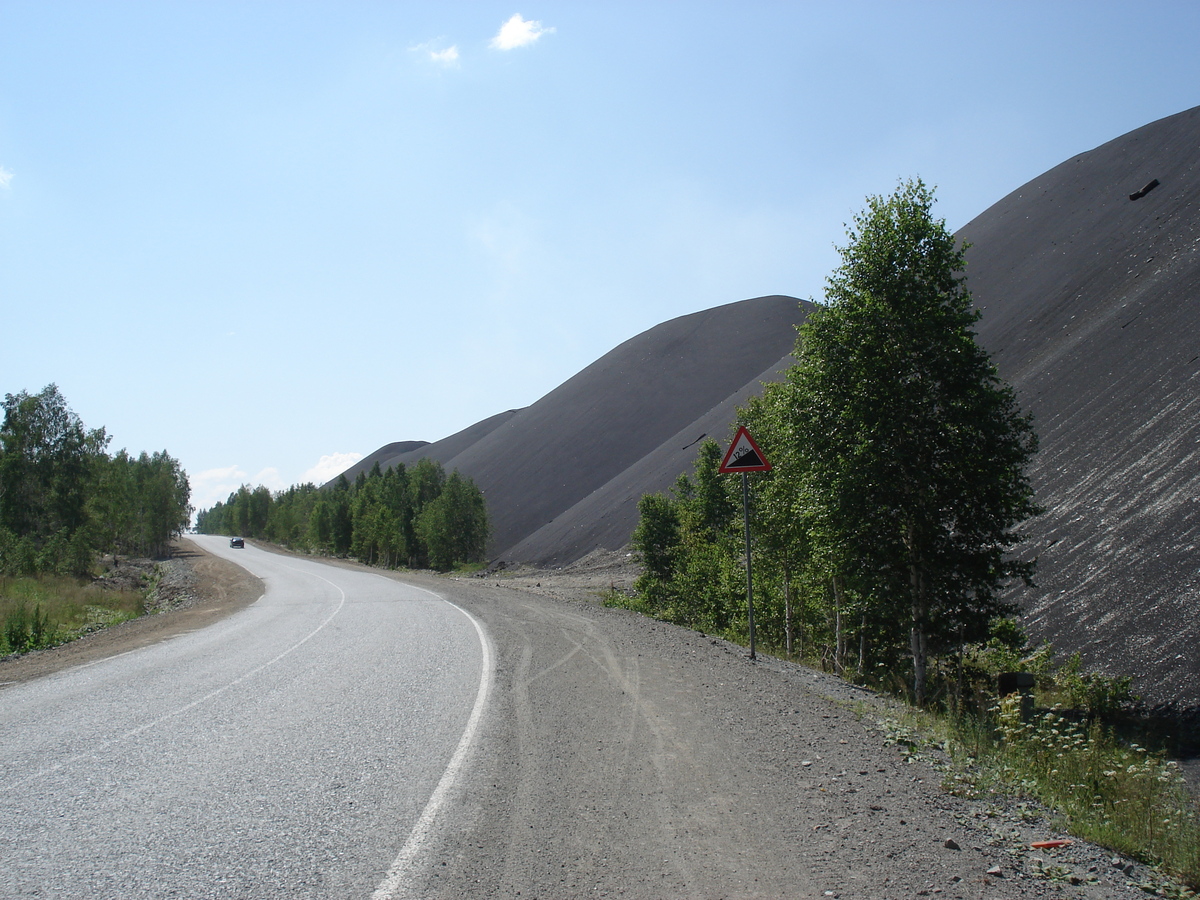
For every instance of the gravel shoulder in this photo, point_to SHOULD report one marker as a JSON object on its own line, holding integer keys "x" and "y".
{"x": 627, "y": 757}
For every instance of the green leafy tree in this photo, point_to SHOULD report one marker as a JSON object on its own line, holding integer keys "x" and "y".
{"x": 387, "y": 518}
{"x": 396, "y": 534}
{"x": 783, "y": 520}
{"x": 712, "y": 505}
{"x": 159, "y": 497}
{"x": 110, "y": 506}
{"x": 342, "y": 533}
{"x": 63, "y": 499}
{"x": 916, "y": 451}
{"x": 320, "y": 526}
{"x": 47, "y": 465}
{"x": 453, "y": 525}
{"x": 656, "y": 540}
{"x": 691, "y": 571}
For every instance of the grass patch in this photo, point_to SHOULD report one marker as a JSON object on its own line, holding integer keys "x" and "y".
{"x": 1112, "y": 792}
{"x": 1116, "y": 794}
{"x": 44, "y": 611}
{"x": 616, "y": 599}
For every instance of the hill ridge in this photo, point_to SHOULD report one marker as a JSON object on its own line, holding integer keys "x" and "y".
{"x": 1091, "y": 310}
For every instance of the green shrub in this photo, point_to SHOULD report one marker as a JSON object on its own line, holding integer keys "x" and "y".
{"x": 42, "y": 611}
{"x": 25, "y": 630}
{"x": 1096, "y": 696}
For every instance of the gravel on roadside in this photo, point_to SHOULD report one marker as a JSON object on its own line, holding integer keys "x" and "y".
{"x": 864, "y": 816}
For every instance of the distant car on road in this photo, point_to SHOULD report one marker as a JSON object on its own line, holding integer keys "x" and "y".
{"x": 237, "y": 542}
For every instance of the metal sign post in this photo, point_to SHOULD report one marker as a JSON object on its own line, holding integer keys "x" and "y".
{"x": 745, "y": 457}
{"x": 749, "y": 575}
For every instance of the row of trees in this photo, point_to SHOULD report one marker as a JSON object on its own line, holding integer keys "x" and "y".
{"x": 64, "y": 499}
{"x": 884, "y": 531}
{"x": 416, "y": 517}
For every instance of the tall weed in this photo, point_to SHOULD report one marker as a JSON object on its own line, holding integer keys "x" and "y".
{"x": 1119, "y": 795}
{"x": 43, "y": 611}
{"x": 1124, "y": 797}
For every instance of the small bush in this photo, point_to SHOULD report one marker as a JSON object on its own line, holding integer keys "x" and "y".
{"x": 1085, "y": 757}
{"x": 25, "y": 630}
{"x": 1095, "y": 696}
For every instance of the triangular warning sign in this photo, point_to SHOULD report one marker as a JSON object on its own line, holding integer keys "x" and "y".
{"x": 743, "y": 455}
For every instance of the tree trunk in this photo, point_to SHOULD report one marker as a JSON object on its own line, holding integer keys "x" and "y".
{"x": 787, "y": 611}
{"x": 920, "y": 613}
{"x": 958, "y": 688}
{"x": 839, "y": 636}
{"x": 920, "y": 608}
{"x": 862, "y": 645}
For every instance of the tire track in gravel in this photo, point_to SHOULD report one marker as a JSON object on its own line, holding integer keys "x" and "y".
{"x": 624, "y": 757}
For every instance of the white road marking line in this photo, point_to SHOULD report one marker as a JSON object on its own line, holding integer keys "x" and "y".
{"x": 396, "y": 883}
{"x": 104, "y": 745}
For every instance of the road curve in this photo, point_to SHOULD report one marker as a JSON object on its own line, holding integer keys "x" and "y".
{"x": 623, "y": 757}
{"x": 299, "y": 748}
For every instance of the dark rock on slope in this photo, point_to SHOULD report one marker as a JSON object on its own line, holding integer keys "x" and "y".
{"x": 408, "y": 452}
{"x": 536, "y": 464}
{"x": 606, "y": 517}
{"x": 1091, "y": 309}
{"x": 1091, "y": 305}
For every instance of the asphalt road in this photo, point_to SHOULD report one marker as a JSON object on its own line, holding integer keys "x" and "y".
{"x": 349, "y": 736}
{"x": 300, "y": 748}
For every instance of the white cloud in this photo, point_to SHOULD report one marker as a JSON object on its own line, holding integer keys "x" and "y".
{"x": 447, "y": 57}
{"x": 330, "y": 467}
{"x": 5, "y": 178}
{"x": 518, "y": 32}
{"x": 270, "y": 479}
{"x": 215, "y": 485}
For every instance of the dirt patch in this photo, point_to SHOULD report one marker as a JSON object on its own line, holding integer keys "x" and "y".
{"x": 589, "y": 579}
{"x": 196, "y": 589}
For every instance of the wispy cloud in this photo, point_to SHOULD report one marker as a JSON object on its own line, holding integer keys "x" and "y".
{"x": 5, "y": 178}
{"x": 435, "y": 52}
{"x": 270, "y": 479}
{"x": 330, "y": 467}
{"x": 215, "y": 485}
{"x": 447, "y": 57}
{"x": 518, "y": 32}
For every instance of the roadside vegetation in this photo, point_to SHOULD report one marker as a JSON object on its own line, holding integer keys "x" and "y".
{"x": 64, "y": 504}
{"x": 44, "y": 611}
{"x": 1078, "y": 745}
{"x": 416, "y": 517}
{"x": 887, "y": 531}
{"x": 884, "y": 531}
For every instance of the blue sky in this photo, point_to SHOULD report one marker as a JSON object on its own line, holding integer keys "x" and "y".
{"x": 267, "y": 237}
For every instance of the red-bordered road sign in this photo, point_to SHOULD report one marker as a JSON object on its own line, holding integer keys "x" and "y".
{"x": 743, "y": 455}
